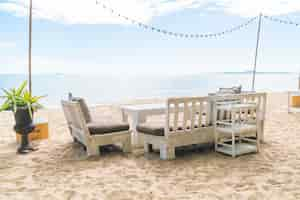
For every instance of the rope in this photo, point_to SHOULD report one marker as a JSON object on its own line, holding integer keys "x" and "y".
{"x": 281, "y": 21}
{"x": 177, "y": 34}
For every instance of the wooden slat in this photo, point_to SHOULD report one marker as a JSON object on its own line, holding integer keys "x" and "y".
{"x": 208, "y": 113}
{"x": 176, "y": 112}
{"x": 200, "y": 114}
{"x": 186, "y": 116}
{"x": 193, "y": 115}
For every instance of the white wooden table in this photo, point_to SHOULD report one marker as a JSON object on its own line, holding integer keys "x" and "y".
{"x": 138, "y": 114}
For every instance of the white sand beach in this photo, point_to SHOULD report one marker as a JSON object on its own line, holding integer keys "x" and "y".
{"x": 60, "y": 169}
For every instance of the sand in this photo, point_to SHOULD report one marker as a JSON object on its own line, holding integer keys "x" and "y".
{"x": 61, "y": 170}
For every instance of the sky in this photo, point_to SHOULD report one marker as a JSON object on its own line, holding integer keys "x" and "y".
{"x": 81, "y": 37}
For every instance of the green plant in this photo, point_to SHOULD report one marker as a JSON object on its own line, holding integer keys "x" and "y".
{"x": 19, "y": 97}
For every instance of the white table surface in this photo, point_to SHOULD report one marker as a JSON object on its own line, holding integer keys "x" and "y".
{"x": 143, "y": 107}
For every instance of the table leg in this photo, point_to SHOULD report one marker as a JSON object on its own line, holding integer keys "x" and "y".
{"x": 124, "y": 117}
{"x": 137, "y": 139}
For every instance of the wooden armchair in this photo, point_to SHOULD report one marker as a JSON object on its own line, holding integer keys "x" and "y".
{"x": 237, "y": 133}
{"x": 93, "y": 134}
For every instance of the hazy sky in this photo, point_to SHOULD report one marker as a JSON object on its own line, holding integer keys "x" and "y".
{"x": 78, "y": 36}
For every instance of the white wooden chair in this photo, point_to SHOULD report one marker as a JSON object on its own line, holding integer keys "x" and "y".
{"x": 261, "y": 100}
{"x": 238, "y": 132}
{"x": 95, "y": 134}
{"x": 258, "y": 98}
{"x": 187, "y": 122}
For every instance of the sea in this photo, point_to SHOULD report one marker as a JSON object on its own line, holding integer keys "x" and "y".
{"x": 107, "y": 89}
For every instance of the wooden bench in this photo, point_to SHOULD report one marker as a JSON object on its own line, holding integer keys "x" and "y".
{"x": 187, "y": 122}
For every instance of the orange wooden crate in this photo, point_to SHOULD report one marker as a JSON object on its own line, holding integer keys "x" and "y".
{"x": 295, "y": 101}
{"x": 40, "y": 132}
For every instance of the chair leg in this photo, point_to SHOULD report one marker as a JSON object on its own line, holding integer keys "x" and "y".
{"x": 261, "y": 131}
{"x": 257, "y": 142}
{"x": 233, "y": 145}
{"x": 147, "y": 147}
{"x": 93, "y": 150}
{"x": 127, "y": 146}
{"x": 75, "y": 140}
{"x": 167, "y": 152}
{"x": 216, "y": 140}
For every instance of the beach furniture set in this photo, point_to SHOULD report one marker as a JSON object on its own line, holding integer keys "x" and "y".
{"x": 234, "y": 123}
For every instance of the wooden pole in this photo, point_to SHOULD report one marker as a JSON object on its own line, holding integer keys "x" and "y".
{"x": 29, "y": 47}
{"x": 256, "y": 52}
{"x": 298, "y": 81}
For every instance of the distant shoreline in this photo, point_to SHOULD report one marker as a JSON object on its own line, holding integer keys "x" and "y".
{"x": 250, "y": 72}
{"x": 71, "y": 74}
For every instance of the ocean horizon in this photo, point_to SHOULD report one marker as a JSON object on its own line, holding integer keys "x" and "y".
{"x": 110, "y": 89}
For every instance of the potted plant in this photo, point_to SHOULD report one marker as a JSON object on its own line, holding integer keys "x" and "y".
{"x": 23, "y": 105}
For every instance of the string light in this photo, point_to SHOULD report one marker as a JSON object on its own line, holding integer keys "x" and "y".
{"x": 281, "y": 21}
{"x": 177, "y": 34}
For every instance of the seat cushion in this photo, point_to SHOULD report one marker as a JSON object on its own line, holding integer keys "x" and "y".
{"x": 238, "y": 129}
{"x": 151, "y": 129}
{"x": 99, "y": 128}
{"x": 84, "y": 108}
{"x": 156, "y": 129}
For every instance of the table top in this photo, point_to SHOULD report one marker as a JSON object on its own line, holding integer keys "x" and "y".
{"x": 144, "y": 107}
{"x": 216, "y": 94}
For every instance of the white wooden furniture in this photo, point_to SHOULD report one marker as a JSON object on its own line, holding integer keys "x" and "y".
{"x": 250, "y": 97}
{"x": 237, "y": 132}
{"x": 138, "y": 114}
{"x": 94, "y": 134}
{"x": 187, "y": 121}
{"x": 291, "y": 108}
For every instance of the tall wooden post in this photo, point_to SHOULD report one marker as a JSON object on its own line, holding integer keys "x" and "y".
{"x": 29, "y": 46}
{"x": 298, "y": 81}
{"x": 256, "y": 51}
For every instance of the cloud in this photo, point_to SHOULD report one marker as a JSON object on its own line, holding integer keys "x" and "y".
{"x": 87, "y": 12}
{"x": 249, "y": 8}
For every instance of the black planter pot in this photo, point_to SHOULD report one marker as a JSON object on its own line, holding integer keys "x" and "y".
{"x": 23, "y": 119}
{"x": 24, "y": 126}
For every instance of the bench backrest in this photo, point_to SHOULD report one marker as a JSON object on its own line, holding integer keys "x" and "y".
{"x": 259, "y": 98}
{"x": 187, "y": 114}
{"x": 75, "y": 120}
